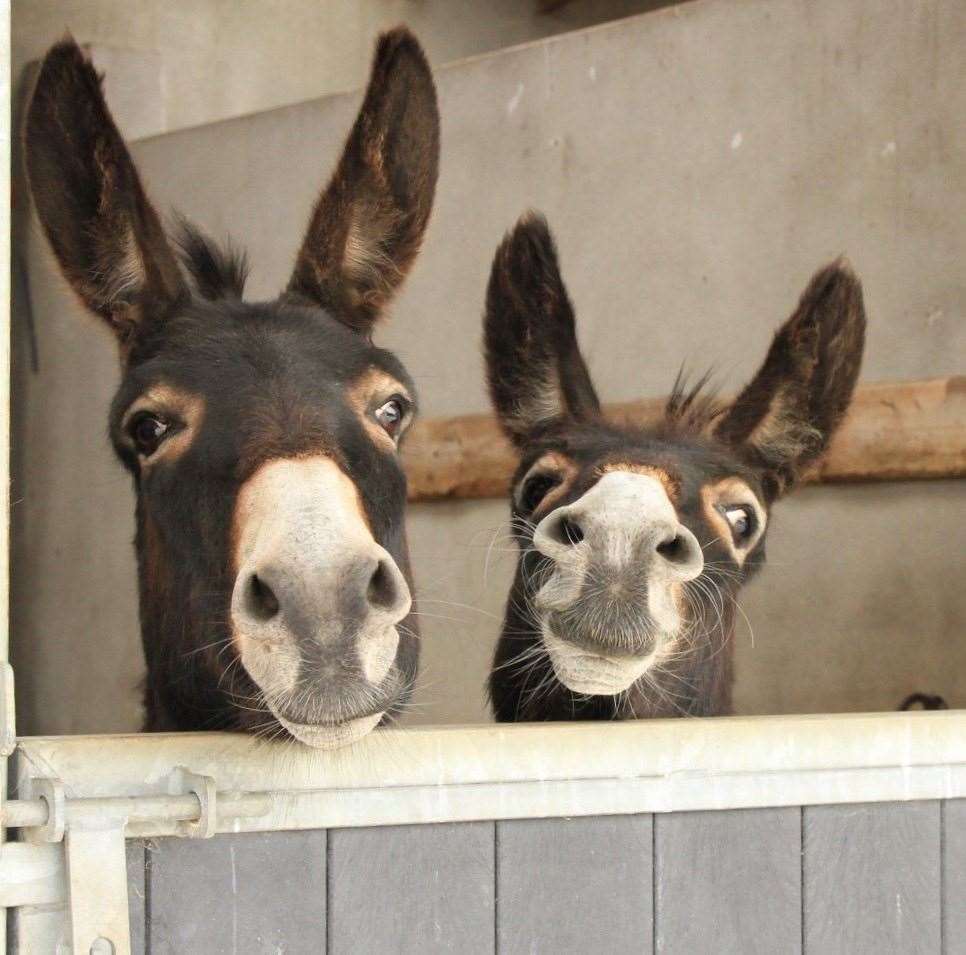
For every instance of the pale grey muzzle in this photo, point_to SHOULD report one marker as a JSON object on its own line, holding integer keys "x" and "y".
{"x": 316, "y": 601}
{"x": 610, "y": 606}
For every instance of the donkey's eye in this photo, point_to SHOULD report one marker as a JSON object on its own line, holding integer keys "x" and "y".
{"x": 390, "y": 415}
{"x": 147, "y": 432}
{"x": 742, "y": 521}
{"x": 536, "y": 489}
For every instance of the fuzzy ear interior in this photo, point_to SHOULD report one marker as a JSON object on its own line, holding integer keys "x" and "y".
{"x": 104, "y": 232}
{"x": 368, "y": 224}
{"x": 785, "y": 417}
{"x": 534, "y": 367}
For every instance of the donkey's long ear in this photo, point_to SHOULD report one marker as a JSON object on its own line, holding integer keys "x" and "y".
{"x": 786, "y": 416}
{"x": 104, "y": 232}
{"x": 366, "y": 228}
{"x": 534, "y": 367}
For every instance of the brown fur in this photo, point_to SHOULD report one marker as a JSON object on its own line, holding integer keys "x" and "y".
{"x": 234, "y": 384}
{"x": 367, "y": 226}
{"x": 707, "y": 457}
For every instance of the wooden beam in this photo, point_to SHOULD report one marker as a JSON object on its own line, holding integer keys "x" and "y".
{"x": 894, "y": 431}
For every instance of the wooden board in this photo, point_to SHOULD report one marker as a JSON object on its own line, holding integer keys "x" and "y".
{"x": 728, "y": 882}
{"x": 251, "y": 893}
{"x": 136, "y": 896}
{"x": 411, "y": 889}
{"x": 872, "y": 878}
{"x": 894, "y": 431}
{"x": 883, "y": 877}
{"x": 574, "y": 885}
{"x": 954, "y": 877}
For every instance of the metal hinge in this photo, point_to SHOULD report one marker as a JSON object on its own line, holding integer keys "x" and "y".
{"x": 31, "y": 874}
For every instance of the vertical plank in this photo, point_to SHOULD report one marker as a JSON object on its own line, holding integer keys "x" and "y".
{"x": 418, "y": 889}
{"x": 135, "y": 852}
{"x": 574, "y": 885}
{"x": 728, "y": 881}
{"x": 954, "y": 877}
{"x": 872, "y": 878}
{"x": 249, "y": 893}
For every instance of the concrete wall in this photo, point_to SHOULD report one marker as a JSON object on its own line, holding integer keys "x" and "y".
{"x": 697, "y": 164}
{"x": 198, "y": 62}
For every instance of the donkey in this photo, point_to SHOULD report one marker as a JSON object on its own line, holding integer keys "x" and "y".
{"x": 633, "y": 542}
{"x": 262, "y": 438}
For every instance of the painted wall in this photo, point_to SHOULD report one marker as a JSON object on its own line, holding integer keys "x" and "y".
{"x": 200, "y": 62}
{"x": 697, "y": 164}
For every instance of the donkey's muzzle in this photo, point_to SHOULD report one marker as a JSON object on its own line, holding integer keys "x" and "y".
{"x": 610, "y": 598}
{"x": 316, "y": 602}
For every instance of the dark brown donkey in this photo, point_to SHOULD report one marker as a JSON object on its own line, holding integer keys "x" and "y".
{"x": 262, "y": 437}
{"x": 634, "y": 542}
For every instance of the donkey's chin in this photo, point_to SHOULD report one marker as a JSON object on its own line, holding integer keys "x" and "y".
{"x": 335, "y": 736}
{"x": 595, "y": 674}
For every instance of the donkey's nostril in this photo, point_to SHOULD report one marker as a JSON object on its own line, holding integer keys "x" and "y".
{"x": 682, "y": 551}
{"x": 262, "y": 602}
{"x": 566, "y": 531}
{"x": 383, "y": 589}
{"x": 674, "y": 549}
{"x": 571, "y": 531}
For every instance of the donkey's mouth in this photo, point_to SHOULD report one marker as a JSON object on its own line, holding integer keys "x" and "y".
{"x": 594, "y": 674}
{"x": 331, "y": 735}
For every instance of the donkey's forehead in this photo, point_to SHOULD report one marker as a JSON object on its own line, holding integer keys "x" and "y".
{"x": 239, "y": 348}
{"x": 682, "y": 463}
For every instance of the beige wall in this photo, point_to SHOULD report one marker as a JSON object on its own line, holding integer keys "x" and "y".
{"x": 697, "y": 165}
{"x": 198, "y": 61}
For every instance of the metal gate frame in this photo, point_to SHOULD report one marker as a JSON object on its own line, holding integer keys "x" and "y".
{"x": 81, "y": 797}
{"x": 7, "y": 712}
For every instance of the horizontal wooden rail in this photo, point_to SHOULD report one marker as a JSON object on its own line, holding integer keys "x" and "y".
{"x": 894, "y": 431}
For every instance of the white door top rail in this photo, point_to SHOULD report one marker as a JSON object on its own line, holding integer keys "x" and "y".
{"x": 457, "y": 773}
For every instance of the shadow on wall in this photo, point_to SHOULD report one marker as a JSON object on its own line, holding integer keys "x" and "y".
{"x": 157, "y": 61}
{"x": 688, "y": 244}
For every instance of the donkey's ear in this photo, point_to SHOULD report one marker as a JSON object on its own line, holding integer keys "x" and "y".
{"x": 534, "y": 367}
{"x": 90, "y": 202}
{"x": 367, "y": 226}
{"x": 785, "y": 418}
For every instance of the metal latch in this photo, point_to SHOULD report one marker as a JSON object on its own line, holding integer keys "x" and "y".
{"x": 51, "y": 791}
{"x": 183, "y": 782}
{"x": 96, "y": 871}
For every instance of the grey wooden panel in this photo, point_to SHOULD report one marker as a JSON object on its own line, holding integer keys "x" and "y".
{"x": 419, "y": 889}
{"x": 872, "y": 879}
{"x": 728, "y": 882}
{"x": 954, "y": 877}
{"x": 574, "y": 885}
{"x": 135, "y": 852}
{"x": 250, "y": 893}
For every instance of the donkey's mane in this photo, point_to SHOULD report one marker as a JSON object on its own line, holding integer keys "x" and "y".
{"x": 691, "y": 408}
{"x": 216, "y": 271}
